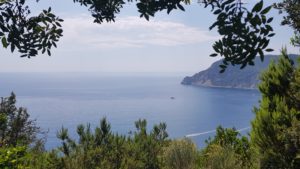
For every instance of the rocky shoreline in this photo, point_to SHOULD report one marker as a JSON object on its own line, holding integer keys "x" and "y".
{"x": 233, "y": 77}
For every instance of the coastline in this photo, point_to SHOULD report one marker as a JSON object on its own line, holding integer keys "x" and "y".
{"x": 224, "y": 87}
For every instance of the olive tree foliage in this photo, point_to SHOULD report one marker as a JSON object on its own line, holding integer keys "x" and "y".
{"x": 106, "y": 10}
{"x": 25, "y": 33}
{"x": 291, "y": 8}
{"x": 245, "y": 33}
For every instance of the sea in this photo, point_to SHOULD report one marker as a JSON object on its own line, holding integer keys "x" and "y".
{"x": 66, "y": 100}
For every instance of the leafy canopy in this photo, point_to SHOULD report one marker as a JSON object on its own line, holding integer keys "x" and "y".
{"x": 291, "y": 9}
{"x": 28, "y": 34}
{"x": 245, "y": 33}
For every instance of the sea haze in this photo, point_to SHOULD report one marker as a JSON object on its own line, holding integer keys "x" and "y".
{"x": 68, "y": 99}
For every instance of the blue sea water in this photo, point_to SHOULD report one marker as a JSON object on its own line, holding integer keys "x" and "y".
{"x": 69, "y": 99}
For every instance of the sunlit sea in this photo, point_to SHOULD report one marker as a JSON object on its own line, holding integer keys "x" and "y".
{"x": 69, "y": 99}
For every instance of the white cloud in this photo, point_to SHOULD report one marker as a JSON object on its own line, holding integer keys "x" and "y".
{"x": 131, "y": 32}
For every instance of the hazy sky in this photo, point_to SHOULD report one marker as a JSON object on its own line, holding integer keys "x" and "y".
{"x": 179, "y": 42}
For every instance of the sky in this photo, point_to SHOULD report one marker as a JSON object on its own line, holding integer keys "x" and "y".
{"x": 177, "y": 43}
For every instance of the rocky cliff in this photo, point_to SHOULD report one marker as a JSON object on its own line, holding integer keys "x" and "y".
{"x": 233, "y": 77}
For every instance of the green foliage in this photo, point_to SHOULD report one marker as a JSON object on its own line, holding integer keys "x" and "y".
{"x": 181, "y": 154}
{"x": 107, "y": 9}
{"x": 100, "y": 148}
{"x": 291, "y": 9}
{"x": 28, "y": 35}
{"x": 147, "y": 148}
{"x": 228, "y": 150}
{"x": 15, "y": 126}
{"x": 103, "y": 9}
{"x": 245, "y": 33}
{"x": 274, "y": 129}
{"x": 295, "y": 40}
{"x": 13, "y": 158}
{"x": 218, "y": 157}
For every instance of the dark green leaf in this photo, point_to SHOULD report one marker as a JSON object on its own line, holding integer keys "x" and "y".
{"x": 226, "y": 3}
{"x": 146, "y": 16}
{"x": 12, "y": 47}
{"x": 261, "y": 54}
{"x": 266, "y": 10}
{"x": 243, "y": 65}
{"x": 217, "y": 11}
{"x": 5, "y": 15}
{"x": 213, "y": 25}
{"x": 51, "y": 15}
{"x": 258, "y": 6}
{"x": 9, "y": 11}
{"x": 269, "y": 50}
{"x": 169, "y": 10}
{"x": 213, "y": 55}
{"x": 269, "y": 28}
{"x": 54, "y": 44}
{"x": 180, "y": 7}
{"x": 266, "y": 44}
{"x": 251, "y": 63}
{"x": 49, "y": 53}
{"x": 58, "y": 24}
{"x": 4, "y": 42}
{"x": 270, "y": 20}
{"x": 4, "y": 28}
{"x": 223, "y": 66}
{"x": 271, "y": 35}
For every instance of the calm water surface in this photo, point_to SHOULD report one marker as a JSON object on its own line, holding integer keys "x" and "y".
{"x": 68, "y": 99}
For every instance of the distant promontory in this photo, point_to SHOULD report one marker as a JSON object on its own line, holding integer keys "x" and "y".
{"x": 233, "y": 77}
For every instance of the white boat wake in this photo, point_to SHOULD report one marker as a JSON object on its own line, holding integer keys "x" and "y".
{"x": 213, "y": 131}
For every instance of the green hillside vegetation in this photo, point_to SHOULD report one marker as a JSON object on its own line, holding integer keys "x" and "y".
{"x": 274, "y": 140}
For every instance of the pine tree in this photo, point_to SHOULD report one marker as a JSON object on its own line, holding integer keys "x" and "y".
{"x": 277, "y": 116}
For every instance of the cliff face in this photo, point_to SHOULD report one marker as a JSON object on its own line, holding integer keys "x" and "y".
{"x": 233, "y": 77}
